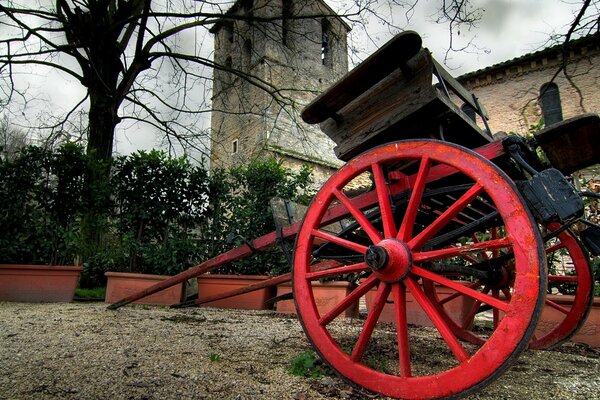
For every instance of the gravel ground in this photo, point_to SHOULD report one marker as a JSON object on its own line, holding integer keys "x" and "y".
{"x": 84, "y": 351}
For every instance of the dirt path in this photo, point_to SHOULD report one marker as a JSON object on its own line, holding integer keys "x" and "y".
{"x": 83, "y": 351}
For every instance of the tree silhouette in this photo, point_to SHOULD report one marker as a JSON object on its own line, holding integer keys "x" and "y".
{"x": 134, "y": 60}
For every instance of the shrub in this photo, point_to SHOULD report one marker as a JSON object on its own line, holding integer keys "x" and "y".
{"x": 165, "y": 214}
{"x": 41, "y": 199}
{"x": 246, "y": 213}
{"x": 159, "y": 202}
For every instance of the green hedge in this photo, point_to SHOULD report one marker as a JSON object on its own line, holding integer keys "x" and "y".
{"x": 166, "y": 214}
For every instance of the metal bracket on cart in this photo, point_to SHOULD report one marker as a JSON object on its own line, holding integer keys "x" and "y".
{"x": 548, "y": 193}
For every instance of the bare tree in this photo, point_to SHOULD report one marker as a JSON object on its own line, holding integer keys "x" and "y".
{"x": 12, "y": 139}
{"x": 131, "y": 56}
{"x": 139, "y": 60}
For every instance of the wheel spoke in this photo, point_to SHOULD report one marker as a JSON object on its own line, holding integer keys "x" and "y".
{"x": 387, "y": 217}
{"x": 367, "y": 330}
{"x": 461, "y": 251}
{"x": 495, "y": 312}
{"x": 557, "y": 307}
{"x": 484, "y": 255}
{"x": 464, "y": 200}
{"x": 457, "y": 349}
{"x": 352, "y": 298}
{"x": 554, "y": 248}
{"x": 358, "y": 216}
{"x": 406, "y": 228}
{"x": 457, "y": 294}
{"x": 399, "y": 292}
{"x": 339, "y": 241}
{"x": 346, "y": 269}
{"x": 470, "y": 317}
{"x": 562, "y": 278}
{"x": 489, "y": 300}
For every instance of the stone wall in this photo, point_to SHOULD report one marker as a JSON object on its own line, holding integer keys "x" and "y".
{"x": 287, "y": 66}
{"x": 510, "y": 90}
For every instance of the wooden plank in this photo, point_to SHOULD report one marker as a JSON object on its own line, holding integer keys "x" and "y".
{"x": 573, "y": 144}
{"x": 380, "y": 64}
{"x": 389, "y": 101}
{"x": 459, "y": 90}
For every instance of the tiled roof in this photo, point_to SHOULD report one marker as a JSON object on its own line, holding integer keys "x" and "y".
{"x": 553, "y": 50}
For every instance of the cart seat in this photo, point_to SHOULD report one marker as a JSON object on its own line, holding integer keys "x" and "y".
{"x": 392, "y": 95}
{"x": 573, "y": 144}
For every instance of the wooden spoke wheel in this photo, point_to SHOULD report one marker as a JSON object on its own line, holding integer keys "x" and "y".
{"x": 568, "y": 267}
{"x": 569, "y": 271}
{"x": 424, "y": 194}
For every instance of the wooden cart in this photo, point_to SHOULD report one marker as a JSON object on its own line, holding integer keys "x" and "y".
{"x": 445, "y": 204}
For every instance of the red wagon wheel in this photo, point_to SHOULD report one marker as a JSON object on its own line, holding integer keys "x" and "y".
{"x": 400, "y": 243}
{"x": 568, "y": 266}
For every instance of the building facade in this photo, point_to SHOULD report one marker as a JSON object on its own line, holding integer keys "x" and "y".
{"x": 273, "y": 57}
{"x": 540, "y": 88}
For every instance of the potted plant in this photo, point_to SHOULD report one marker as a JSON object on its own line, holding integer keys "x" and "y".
{"x": 41, "y": 200}
{"x": 328, "y": 294}
{"x": 240, "y": 209}
{"x": 159, "y": 201}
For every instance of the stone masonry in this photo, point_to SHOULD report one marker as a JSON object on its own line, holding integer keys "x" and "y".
{"x": 273, "y": 57}
{"x": 510, "y": 90}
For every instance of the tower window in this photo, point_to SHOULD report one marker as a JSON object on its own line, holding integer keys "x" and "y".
{"x": 286, "y": 14}
{"x": 248, "y": 6}
{"x": 228, "y": 75}
{"x": 247, "y": 54}
{"x": 325, "y": 42}
{"x": 234, "y": 147}
{"x": 228, "y": 29}
{"x": 550, "y": 103}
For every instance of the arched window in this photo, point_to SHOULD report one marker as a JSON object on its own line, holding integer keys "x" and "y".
{"x": 247, "y": 54}
{"x": 550, "y": 103}
{"x": 326, "y": 58}
{"x": 286, "y": 14}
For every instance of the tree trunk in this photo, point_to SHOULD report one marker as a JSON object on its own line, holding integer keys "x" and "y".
{"x": 103, "y": 120}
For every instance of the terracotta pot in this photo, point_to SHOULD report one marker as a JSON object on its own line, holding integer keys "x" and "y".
{"x": 589, "y": 333}
{"x": 457, "y": 308}
{"x": 211, "y": 284}
{"x": 327, "y": 296}
{"x": 38, "y": 283}
{"x": 122, "y": 284}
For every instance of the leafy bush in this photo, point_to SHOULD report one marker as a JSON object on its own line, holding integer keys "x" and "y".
{"x": 248, "y": 215}
{"x": 165, "y": 214}
{"x": 159, "y": 201}
{"x": 41, "y": 199}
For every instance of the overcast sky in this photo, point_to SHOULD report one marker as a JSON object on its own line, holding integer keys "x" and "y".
{"x": 508, "y": 29}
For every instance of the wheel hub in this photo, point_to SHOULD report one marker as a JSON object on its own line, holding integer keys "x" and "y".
{"x": 390, "y": 260}
{"x": 376, "y": 258}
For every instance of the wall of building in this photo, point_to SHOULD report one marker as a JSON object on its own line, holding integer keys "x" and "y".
{"x": 510, "y": 92}
{"x": 287, "y": 58}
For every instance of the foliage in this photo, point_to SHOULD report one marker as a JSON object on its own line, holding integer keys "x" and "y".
{"x": 41, "y": 198}
{"x": 90, "y": 293}
{"x": 307, "y": 364}
{"x": 248, "y": 213}
{"x": 165, "y": 214}
{"x": 159, "y": 200}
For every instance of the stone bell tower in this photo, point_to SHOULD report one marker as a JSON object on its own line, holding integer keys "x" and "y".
{"x": 273, "y": 57}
